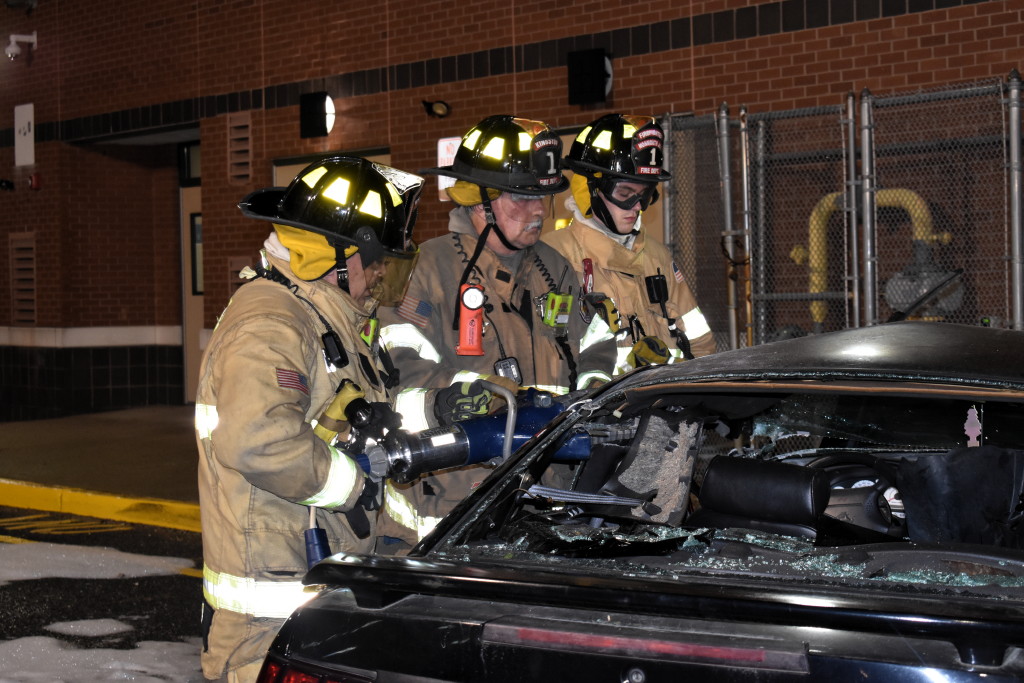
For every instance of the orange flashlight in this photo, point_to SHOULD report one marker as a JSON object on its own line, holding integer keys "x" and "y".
{"x": 471, "y": 321}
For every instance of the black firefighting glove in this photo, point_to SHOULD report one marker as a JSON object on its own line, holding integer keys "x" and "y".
{"x": 369, "y": 499}
{"x": 461, "y": 401}
{"x": 370, "y": 420}
{"x": 648, "y": 351}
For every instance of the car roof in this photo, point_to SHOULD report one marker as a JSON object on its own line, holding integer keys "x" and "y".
{"x": 930, "y": 352}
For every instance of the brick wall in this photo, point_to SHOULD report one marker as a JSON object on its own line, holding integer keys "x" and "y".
{"x": 106, "y": 215}
{"x": 119, "y": 259}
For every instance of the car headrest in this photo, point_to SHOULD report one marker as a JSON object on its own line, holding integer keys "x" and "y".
{"x": 762, "y": 495}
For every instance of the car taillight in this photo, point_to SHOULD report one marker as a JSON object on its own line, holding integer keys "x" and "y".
{"x": 512, "y": 634}
{"x": 298, "y": 677}
{"x": 286, "y": 672}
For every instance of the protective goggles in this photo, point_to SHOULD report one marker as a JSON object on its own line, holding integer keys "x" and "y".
{"x": 625, "y": 197}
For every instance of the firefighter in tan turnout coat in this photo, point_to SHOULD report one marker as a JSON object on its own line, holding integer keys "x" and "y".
{"x": 629, "y": 277}
{"x": 488, "y": 300}
{"x": 292, "y": 349}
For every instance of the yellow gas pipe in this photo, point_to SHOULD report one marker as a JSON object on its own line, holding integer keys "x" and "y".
{"x": 816, "y": 254}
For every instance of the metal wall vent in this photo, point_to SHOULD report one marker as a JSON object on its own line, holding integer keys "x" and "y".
{"x": 23, "y": 278}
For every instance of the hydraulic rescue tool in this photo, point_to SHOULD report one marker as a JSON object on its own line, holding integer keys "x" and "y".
{"x": 402, "y": 456}
{"x": 383, "y": 450}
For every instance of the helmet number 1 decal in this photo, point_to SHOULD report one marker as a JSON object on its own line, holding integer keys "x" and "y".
{"x": 647, "y": 139}
{"x": 547, "y": 149}
{"x": 552, "y": 165}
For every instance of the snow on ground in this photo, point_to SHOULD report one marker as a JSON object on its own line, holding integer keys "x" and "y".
{"x": 52, "y": 560}
{"x": 42, "y": 659}
{"x": 89, "y": 628}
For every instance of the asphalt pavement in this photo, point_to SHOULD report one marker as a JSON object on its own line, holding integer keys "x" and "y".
{"x": 137, "y": 465}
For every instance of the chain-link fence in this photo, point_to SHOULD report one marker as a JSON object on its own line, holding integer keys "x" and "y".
{"x": 940, "y": 205}
{"x": 800, "y": 242}
{"x": 694, "y": 216}
{"x": 807, "y": 221}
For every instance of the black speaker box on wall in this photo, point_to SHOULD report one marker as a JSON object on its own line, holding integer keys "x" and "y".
{"x": 589, "y": 76}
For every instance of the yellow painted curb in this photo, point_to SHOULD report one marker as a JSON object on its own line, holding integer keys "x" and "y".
{"x": 152, "y": 511}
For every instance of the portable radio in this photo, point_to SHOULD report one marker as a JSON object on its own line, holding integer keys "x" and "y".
{"x": 556, "y": 309}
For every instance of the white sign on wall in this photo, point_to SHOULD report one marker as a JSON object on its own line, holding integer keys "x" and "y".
{"x": 446, "y": 148}
{"x": 24, "y": 135}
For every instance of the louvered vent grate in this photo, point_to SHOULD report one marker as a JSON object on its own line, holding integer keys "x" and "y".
{"x": 239, "y": 148}
{"x": 23, "y": 278}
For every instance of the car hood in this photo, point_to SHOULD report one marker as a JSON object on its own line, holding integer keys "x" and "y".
{"x": 919, "y": 351}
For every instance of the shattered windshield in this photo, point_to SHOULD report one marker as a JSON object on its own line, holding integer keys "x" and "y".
{"x": 882, "y": 489}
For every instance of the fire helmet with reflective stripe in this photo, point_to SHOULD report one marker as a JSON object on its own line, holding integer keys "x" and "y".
{"x": 509, "y": 154}
{"x": 349, "y": 200}
{"x": 624, "y": 147}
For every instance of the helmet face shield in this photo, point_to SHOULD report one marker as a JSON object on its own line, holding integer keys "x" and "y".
{"x": 523, "y": 209}
{"x": 390, "y": 289}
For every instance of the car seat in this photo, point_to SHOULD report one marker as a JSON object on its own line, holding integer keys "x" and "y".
{"x": 764, "y": 496}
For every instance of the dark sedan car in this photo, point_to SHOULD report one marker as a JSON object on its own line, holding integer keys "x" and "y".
{"x": 840, "y": 507}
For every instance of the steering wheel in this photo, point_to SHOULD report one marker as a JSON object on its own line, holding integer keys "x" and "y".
{"x": 864, "y": 492}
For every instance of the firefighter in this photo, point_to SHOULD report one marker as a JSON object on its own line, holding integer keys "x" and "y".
{"x": 488, "y": 300}
{"x": 275, "y": 452}
{"x": 627, "y": 278}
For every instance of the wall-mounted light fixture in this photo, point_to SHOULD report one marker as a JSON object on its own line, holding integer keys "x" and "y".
{"x": 438, "y": 108}
{"x": 29, "y": 5}
{"x": 13, "y": 50}
{"x": 316, "y": 114}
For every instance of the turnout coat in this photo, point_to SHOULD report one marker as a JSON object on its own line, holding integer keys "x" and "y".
{"x": 619, "y": 272}
{"x": 264, "y": 379}
{"x": 422, "y": 336}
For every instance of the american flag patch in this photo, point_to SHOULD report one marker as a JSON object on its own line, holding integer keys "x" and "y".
{"x": 676, "y": 272}
{"x": 289, "y": 379}
{"x": 415, "y": 311}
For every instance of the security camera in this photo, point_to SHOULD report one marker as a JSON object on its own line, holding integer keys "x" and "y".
{"x": 13, "y": 49}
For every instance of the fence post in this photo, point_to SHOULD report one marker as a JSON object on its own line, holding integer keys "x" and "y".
{"x": 867, "y": 168}
{"x": 851, "y": 208}
{"x": 760, "y": 262}
{"x": 667, "y": 235}
{"x": 1017, "y": 260}
{"x": 748, "y": 332}
{"x": 727, "y": 229}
